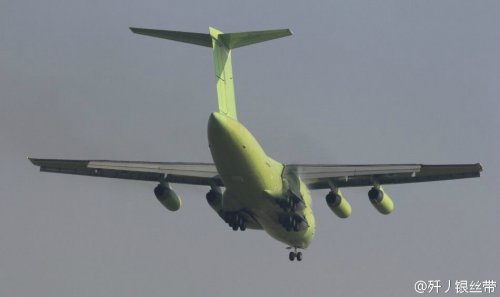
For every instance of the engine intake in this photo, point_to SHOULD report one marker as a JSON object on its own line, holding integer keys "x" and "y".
{"x": 338, "y": 204}
{"x": 380, "y": 200}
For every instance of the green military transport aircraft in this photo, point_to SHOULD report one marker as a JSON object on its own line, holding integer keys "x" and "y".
{"x": 260, "y": 193}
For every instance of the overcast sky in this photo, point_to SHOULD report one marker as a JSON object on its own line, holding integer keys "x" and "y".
{"x": 359, "y": 82}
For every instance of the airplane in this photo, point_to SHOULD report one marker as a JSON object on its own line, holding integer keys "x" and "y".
{"x": 259, "y": 193}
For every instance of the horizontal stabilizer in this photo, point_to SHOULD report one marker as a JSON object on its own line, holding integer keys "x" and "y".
{"x": 187, "y": 37}
{"x": 222, "y": 44}
{"x": 235, "y": 40}
{"x": 230, "y": 40}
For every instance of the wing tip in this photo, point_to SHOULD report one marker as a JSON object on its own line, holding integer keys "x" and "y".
{"x": 33, "y": 161}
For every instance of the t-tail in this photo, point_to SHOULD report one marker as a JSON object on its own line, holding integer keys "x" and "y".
{"x": 222, "y": 44}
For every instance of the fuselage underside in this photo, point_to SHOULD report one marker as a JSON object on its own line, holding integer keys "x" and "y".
{"x": 255, "y": 185}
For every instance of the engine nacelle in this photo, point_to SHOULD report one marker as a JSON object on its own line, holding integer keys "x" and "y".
{"x": 338, "y": 204}
{"x": 168, "y": 197}
{"x": 214, "y": 199}
{"x": 380, "y": 200}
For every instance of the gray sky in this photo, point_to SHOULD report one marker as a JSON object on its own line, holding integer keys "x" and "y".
{"x": 359, "y": 82}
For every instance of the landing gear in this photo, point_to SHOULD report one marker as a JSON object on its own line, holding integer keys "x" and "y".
{"x": 295, "y": 225}
{"x": 295, "y": 255}
{"x": 293, "y": 222}
{"x": 236, "y": 221}
{"x": 291, "y": 203}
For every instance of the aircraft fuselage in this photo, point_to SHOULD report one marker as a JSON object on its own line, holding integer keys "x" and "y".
{"x": 254, "y": 182}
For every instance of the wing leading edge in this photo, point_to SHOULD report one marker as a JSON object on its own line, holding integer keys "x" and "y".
{"x": 323, "y": 176}
{"x": 174, "y": 172}
{"x": 318, "y": 176}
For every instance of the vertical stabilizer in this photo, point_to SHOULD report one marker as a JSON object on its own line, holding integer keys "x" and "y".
{"x": 223, "y": 74}
{"x": 222, "y": 44}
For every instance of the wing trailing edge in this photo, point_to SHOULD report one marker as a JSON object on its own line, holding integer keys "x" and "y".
{"x": 174, "y": 172}
{"x": 322, "y": 176}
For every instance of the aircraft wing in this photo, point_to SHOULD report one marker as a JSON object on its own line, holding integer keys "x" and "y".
{"x": 178, "y": 172}
{"x": 320, "y": 176}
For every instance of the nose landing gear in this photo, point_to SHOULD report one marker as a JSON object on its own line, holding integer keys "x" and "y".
{"x": 295, "y": 255}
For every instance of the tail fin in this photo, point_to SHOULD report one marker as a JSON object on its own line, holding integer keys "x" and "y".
{"x": 222, "y": 45}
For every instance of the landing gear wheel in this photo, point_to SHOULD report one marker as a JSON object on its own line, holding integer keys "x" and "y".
{"x": 299, "y": 256}
{"x": 291, "y": 256}
{"x": 235, "y": 221}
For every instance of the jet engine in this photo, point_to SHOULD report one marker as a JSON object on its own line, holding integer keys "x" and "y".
{"x": 168, "y": 197}
{"x": 214, "y": 199}
{"x": 380, "y": 200}
{"x": 338, "y": 204}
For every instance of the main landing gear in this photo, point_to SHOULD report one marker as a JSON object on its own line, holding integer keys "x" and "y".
{"x": 235, "y": 221}
{"x": 291, "y": 202}
{"x": 293, "y": 222}
{"x": 295, "y": 255}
